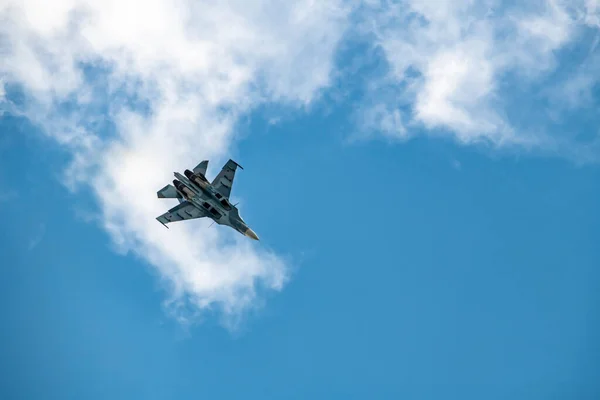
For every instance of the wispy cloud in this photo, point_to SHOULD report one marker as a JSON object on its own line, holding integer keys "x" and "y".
{"x": 453, "y": 62}
{"x": 137, "y": 89}
{"x": 2, "y": 90}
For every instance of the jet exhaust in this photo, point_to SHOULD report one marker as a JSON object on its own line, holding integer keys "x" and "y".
{"x": 184, "y": 190}
{"x": 198, "y": 179}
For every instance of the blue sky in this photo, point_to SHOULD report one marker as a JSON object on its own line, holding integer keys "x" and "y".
{"x": 424, "y": 181}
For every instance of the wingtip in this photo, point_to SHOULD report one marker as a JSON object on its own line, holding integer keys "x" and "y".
{"x": 163, "y": 224}
{"x": 236, "y": 163}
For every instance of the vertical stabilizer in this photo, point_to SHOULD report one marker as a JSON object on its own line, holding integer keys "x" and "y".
{"x": 201, "y": 168}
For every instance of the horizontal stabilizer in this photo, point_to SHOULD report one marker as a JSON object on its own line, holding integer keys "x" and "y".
{"x": 168, "y": 192}
{"x": 201, "y": 168}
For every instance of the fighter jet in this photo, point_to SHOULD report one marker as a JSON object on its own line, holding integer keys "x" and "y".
{"x": 198, "y": 198}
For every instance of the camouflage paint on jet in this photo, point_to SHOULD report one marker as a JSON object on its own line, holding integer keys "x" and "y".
{"x": 198, "y": 198}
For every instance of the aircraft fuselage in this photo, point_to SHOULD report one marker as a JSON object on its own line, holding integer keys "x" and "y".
{"x": 198, "y": 195}
{"x": 205, "y": 197}
{"x": 199, "y": 198}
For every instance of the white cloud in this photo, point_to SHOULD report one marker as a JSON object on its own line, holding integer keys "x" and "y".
{"x": 591, "y": 14}
{"x": 576, "y": 90}
{"x": 191, "y": 68}
{"x": 455, "y": 83}
{"x": 452, "y": 59}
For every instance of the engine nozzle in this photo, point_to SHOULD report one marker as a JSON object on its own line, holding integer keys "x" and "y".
{"x": 198, "y": 179}
{"x": 178, "y": 185}
{"x": 184, "y": 190}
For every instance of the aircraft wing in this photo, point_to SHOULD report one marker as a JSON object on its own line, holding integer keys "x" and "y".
{"x": 224, "y": 180}
{"x": 181, "y": 212}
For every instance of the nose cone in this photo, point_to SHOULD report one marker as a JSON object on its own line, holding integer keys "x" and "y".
{"x": 250, "y": 233}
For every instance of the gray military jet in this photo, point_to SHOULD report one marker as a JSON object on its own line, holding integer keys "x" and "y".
{"x": 198, "y": 198}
